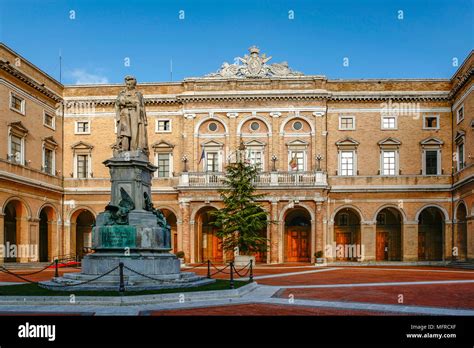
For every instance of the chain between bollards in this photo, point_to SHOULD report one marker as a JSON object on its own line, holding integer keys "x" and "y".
{"x": 56, "y": 272}
{"x": 122, "y": 285}
{"x": 209, "y": 269}
{"x": 231, "y": 275}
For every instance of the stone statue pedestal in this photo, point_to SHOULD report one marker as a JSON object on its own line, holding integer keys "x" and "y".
{"x": 130, "y": 231}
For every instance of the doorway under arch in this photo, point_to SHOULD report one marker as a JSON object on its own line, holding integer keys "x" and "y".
{"x": 15, "y": 220}
{"x": 45, "y": 234}
{"x": 389, "y": 235}
{"x": 172, "y": 221}
{"x": 461, "y": 232}
{"x": 81, "y": 238}
{"x": 297, "y": 236}
{"x": 209, "y": 246}
{"x": 430, "y": 235}
{"x": 347, "y": 235}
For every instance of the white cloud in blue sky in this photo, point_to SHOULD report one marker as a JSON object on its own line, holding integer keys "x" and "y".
{"x": 82, "y": 77}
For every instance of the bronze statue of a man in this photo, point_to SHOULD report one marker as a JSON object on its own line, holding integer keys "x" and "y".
{"x": 131, "y": 119}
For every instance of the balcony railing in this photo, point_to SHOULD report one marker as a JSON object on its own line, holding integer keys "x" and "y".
{"x": 216, "y": 179}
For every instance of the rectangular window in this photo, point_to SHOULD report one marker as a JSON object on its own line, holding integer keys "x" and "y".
{"x": 347, "y": 163}
{"x": 388, "y": 163}
{"x": 346, "y": 122}
{"x": 48, "y": 161}
{"x": 48, "y": 120}
{"x": 163, "y": 126}
{"x": 82, "y": 166}
{"x": 297, "y": 159}
{"x": 163, "y": 165}
{"x": 460, "y": 114}
{"x": 431, "y": 162}
{"x": 17, "y": 103}
{"x": 212, "y": 162}
{"x": 16, "y": 149}
{"x": 255, "y": 158}
{"x": 389, "y": 122}
{"x": 82, "y": 127}
{"x": 431, "y": 122}
{"x": 460, "y": 156}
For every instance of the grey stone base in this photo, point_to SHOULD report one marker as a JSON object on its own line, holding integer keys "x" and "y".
{"x": 151, "y": 264}
{"x": 163, "y": 268}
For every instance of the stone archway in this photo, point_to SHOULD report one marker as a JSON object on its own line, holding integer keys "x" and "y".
{"x": 388, "y": 246}
{"x": 81, "y": 234}
{"x": 430, "y": 234}
{"x": 461, "y": 231}
{"x": 172, "y": 221}
{"x": 15, "y": 231}
{"x": 297, "y": 236}
{"x": 45, "y": 238}
{"x": 347, "y": 235}
{"x": 208, "y": 246}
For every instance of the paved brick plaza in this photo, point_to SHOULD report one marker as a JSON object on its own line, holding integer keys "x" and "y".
{"x": 308, "y": 290}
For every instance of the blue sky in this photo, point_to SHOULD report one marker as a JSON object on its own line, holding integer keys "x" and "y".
{"x": 104, "y": 33}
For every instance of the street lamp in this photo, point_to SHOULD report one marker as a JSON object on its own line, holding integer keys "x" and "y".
{"x": 185, "y": 161}
{"x": 274, "y": 159}
{"x": 319, "y": 158}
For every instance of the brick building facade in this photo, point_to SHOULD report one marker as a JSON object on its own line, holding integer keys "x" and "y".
{"x": 384, "y": 167}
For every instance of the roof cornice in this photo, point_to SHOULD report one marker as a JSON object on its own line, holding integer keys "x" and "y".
{"x": 40, "y": 87}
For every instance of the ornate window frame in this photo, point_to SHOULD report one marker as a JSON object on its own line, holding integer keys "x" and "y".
{"x": 82, "y": 148}
{"x": 17, "y": 129}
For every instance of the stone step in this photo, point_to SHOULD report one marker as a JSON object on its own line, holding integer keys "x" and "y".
{"x": 24, "y": 265}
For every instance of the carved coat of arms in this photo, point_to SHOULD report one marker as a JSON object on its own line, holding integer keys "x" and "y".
{"x": 254, "y": 66}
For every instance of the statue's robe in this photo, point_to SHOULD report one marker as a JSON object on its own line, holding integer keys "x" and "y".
{"x": 131, "y": 120}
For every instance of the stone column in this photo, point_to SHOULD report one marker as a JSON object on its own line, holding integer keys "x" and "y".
{"x": 319, "y": 243}
{"x": 448, "y": 241}
{"x": 186, "y": 233}
{"x": 68, "y": 230}
{"x": 329, "y": 242}
{"x": 2, "y": 234}
{"x": 367, "y": 237}
{"x": 410, "y": 241}
{"x": 313, "y": 240}
{"x": 53, "y": 245}
{"x": 31, "y": 241}
{"x": 274, "y": 235}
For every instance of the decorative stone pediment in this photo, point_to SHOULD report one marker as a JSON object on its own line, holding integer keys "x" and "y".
{"x": 254, "y": 143}
{"x": 50, "y": 142}
{"x": 18, "y": 129}
{"x": 431, "y": 141}
{"x": 460, "y": 134}
{"x": 212, "y": 143}
{"x": 347, "y": 142}
{"x": 254, "y": 66}
{"x": 162, "y": 145}
{"x": 389, "y": 142}
{"x": 81, "y": 145}
{"x": 298, "y": 144}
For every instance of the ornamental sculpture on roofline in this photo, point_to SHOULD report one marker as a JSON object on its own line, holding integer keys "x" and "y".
{"x": 254, "y": 66}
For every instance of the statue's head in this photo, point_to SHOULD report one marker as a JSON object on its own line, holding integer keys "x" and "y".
{"x": 130, "y": 82}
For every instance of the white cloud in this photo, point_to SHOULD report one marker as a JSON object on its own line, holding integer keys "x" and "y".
{"x": 82, "y": 77}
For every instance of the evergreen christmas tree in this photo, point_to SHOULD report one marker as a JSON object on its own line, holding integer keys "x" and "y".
{"x": 242, "y": 219}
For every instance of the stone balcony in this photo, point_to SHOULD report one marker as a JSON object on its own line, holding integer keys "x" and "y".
{"x": 264, "y": 179}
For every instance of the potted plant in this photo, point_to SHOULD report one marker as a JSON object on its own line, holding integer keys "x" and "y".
{"x": 240, "y": 222}
{"x": 180, "y": 256}
{"x": 319, "y": 257}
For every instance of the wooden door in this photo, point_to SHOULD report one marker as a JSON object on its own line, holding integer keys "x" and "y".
{"x": 343, "y": 239}
{"x": 382, "y": 246}
{"x": 217, "y": 252}
{"x": 297, "y": 244}
{"x": 421, "y": 245}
